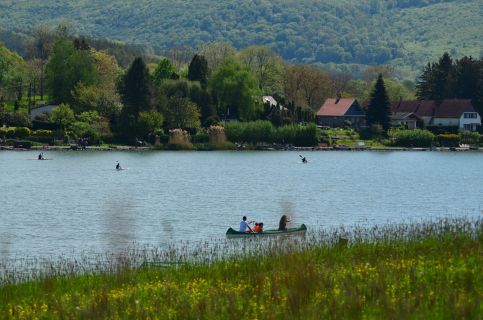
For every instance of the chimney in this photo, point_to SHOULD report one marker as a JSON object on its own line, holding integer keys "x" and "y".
{"x": 338, "y": 98}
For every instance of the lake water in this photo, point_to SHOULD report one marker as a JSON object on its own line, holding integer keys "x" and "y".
{"x": 78, "y": 202}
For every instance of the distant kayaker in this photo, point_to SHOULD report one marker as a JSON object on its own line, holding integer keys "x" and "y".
{"x": 118, "y": 166}
{"x": 282, "y": 225}
{"x": 244, "y": 225}
{"x": 304, "y": 160}
{"x": 41, "y": 156}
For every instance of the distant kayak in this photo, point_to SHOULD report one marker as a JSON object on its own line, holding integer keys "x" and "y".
{"x": 231, "y": 233}
{"x": 42, "y": 159}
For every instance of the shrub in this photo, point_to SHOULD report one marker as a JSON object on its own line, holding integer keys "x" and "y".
{"x": 17, "y": 119}
{"x": 252, "y": 132}
{"x": 179, "y": 146}
{"x": 22, "y": 132}
{"x": 7, "y": 132}
{"x": 201, "y": 137}
{"x": 179, "y": 136}
{"x": 411, "y": 138}
{"x": 449, "y": 140}
{"x": 302, "y": 136}
{"x": 470, "y": 137}
{"x": 42, "y": 133}
{"x": 264, "y": 131}
{"x": 19, "y": 144}
{"x": 217, "y": 134}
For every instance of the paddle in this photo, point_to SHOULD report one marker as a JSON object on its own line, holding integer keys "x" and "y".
{"x": 248, "y": 225}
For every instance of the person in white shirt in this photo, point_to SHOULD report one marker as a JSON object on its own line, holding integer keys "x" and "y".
{"x": 244, "y": 226}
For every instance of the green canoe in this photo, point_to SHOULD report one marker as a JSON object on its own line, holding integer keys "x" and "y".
{"x": 230, "y": 233}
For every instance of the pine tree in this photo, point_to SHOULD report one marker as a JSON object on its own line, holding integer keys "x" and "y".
{"x": 379, "y": 109}
{"x": 425, "y": 84}
{"x": 198, "y": 70}
{"x": 442, "y": 70}
{"x": 136, "y": 92}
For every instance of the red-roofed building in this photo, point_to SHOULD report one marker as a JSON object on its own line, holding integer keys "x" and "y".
{"x": 335, "y": 112}
{"x": 448, "y": 113}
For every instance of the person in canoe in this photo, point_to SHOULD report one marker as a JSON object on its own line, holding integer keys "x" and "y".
{"x": 244, "y": 225}
{"x": 41, "y": 156}
{"x": 118, "y": 166}
{"x": 258, "y": 227}
{"x": 282, "y": 225}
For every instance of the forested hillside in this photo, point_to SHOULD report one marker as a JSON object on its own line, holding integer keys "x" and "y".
{"x": 402, "y": 33}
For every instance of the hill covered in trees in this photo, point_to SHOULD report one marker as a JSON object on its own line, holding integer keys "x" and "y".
{"x": 339, "y": 35}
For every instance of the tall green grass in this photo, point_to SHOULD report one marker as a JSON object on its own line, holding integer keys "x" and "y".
{"x": 426, "y": 270}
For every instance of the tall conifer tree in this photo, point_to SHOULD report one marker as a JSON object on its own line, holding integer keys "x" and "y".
{"x": 198, "y": 70}
{"x": 136, "y": 92}
{"x": 379, "y": 108}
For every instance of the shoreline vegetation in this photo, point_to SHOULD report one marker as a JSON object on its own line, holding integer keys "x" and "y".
{"x": 427, "y": 269}
{"x": 237, "y": 148}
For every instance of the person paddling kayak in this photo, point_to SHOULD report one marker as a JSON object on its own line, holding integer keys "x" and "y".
{"x": 304, "y": 160}
{"x": 118, "y": 166}
{"x": 41, "y": 156}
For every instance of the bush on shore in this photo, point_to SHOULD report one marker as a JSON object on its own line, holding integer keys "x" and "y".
{"x": 263, "y": 131}
{"x": 411, "y": 138}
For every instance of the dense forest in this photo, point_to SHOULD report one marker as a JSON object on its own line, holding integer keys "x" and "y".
{"x": 338, "y": 35}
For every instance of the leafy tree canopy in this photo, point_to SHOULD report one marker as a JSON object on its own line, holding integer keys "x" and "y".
{"x": 236, "y": 90}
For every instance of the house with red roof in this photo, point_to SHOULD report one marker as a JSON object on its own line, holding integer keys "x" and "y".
{"x": 458, "y": 113}
{"x": 336, "y": 112}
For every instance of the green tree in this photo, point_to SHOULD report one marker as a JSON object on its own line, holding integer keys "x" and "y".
{"x": 203, "y": 99}
{"x": 148, "y": 122}
{"x": 164, "y": 70}
{"x": 182, "y": 113}
{"x": 425, "y": 83}
{"x": 39, "y": 49}
{"x": 136, "y": 93}
{"x": 266, "y": 66}
{"x": 216, "y": 53}
{"x": 63, "y": 115}
{"x": 198, "y": 70}
{"x": 85, "y": 98}
{"x": 66, "y": 68}
{"x": 236, "y": 91}
{"x": 441, "y": 81}
{"x": 379, "y": 108}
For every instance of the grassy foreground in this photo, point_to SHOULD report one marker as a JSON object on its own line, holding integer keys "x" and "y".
{"x": 424, "y": 271}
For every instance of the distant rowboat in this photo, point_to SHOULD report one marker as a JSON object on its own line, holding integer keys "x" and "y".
{"x": 230, "y": 233}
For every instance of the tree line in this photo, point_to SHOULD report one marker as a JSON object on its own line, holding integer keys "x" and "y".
{"x": 188, "y": 89}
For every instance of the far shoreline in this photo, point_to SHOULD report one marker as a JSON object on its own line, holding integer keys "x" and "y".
{"x": 305, "y": 149}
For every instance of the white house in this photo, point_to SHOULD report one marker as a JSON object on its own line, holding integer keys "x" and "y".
{"x": 458, "y": 113}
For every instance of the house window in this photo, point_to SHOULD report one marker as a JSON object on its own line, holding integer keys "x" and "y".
{"x": 469, "y": 127}
{"x": 470, "y": 115}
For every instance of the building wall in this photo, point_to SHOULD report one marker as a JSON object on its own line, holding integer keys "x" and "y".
{"x": 463, "y": 120}
{"x": 356, "y": 122}
{"x": 446, "y": 122}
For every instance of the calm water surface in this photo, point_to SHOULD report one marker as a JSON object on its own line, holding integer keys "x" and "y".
{"x": 78, "y": 202}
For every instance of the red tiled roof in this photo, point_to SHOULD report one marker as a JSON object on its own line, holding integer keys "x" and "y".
{"x": 335, "y": 107}
{"x": 450, "y": 108}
